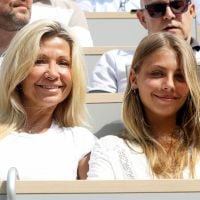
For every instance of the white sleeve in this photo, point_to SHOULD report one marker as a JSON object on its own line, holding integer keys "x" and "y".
{"x": 83, "y": 35}
{"x": 41, "y": 11}
{"x": 103, "y": 77}
{"x": 85, "y": 5}
{"x": 100, "y": 166}
{"x": 197, "y": 2}
{"x": 84, "y": 141}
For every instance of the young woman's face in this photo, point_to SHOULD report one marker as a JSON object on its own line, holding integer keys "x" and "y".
{"x": 50, "y": 80}
{"x": 161, "y": 84}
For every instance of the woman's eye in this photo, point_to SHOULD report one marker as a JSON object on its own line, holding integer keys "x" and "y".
{"x": 180, "y": 77}
{"x": 64, "y": 64}
{"x": 156, "y": 74}
{"x": 39, "y": 61}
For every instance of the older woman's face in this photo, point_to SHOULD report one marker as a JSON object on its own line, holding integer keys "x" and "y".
{"x": 50, "y": 80}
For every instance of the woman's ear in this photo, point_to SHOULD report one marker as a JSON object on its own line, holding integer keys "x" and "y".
{"x": 133, "y": 79}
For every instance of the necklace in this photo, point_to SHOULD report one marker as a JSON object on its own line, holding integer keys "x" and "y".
{"x": 33, "y": 130}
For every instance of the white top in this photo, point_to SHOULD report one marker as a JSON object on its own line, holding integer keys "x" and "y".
{"x": 111, "y": 71}
{"x": 197, "y": 56}
{"x": 197, "y": 3}
{"x": 63, "y": 15}
{"x": 112, "y": 159}
{"x": 1, "y": 59}
{"x": 108, "y": 6}
{"x": 52, "y": 155}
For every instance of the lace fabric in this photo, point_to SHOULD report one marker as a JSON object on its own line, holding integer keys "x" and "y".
{"x": 125, "y": 164}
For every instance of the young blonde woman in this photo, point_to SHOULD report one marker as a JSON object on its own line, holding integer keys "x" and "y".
{"x": 42, "y": 107}
{"x": 161, "y": 114}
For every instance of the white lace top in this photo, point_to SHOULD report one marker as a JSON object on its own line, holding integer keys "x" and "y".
{"x": 111, "y": 158}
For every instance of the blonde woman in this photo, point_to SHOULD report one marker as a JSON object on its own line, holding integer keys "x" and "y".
{"x": 161, "y": 114}
{"x": 42, "y": 107}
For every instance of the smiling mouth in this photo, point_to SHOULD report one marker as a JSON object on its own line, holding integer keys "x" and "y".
{"x": 166, "y": 97}
{"x": 49, "y": 86}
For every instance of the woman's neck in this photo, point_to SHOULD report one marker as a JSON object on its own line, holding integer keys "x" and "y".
{"x": 161, "y": 126}
{"x": 38, "y": 121}
{"x": 165, "y": 131}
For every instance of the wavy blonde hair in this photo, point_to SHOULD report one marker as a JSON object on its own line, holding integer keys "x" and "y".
{"x": 17, "y": 63}
{"x": 185, "y": 152}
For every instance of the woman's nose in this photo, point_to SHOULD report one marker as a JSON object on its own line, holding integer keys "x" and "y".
{"x": 169, "y": 84}
{"x": 52, "y": 71}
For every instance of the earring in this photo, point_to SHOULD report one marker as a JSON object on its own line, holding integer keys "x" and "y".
{"x": 134, "y": 91}
{"x": 19, "y": 88}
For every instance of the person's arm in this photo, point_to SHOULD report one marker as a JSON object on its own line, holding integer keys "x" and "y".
{"x": 84, "y": 141}
{"x": 86, "y": 5}
{"x": 83, "y": 167}
{"x": 77, "y": 21}
{"x": 103, "y": 76}
{"x": 100, "y": 164}
{"x": 78, "y": 17}
{"x": 79, "y": 25}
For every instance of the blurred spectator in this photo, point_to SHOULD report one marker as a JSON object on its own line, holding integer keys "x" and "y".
{"x": 197, "y": 2}
{"x": 111, "y": 72}
{"x": 65, "y": 12}
{"x": 154, "y": 20}
{"x": 13, "y": 16}
{"x": 108, "y": 5}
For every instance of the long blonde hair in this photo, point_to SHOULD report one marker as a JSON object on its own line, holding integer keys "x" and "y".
{"x": 138, "y": 130}
{"x": 17, "y": 63}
